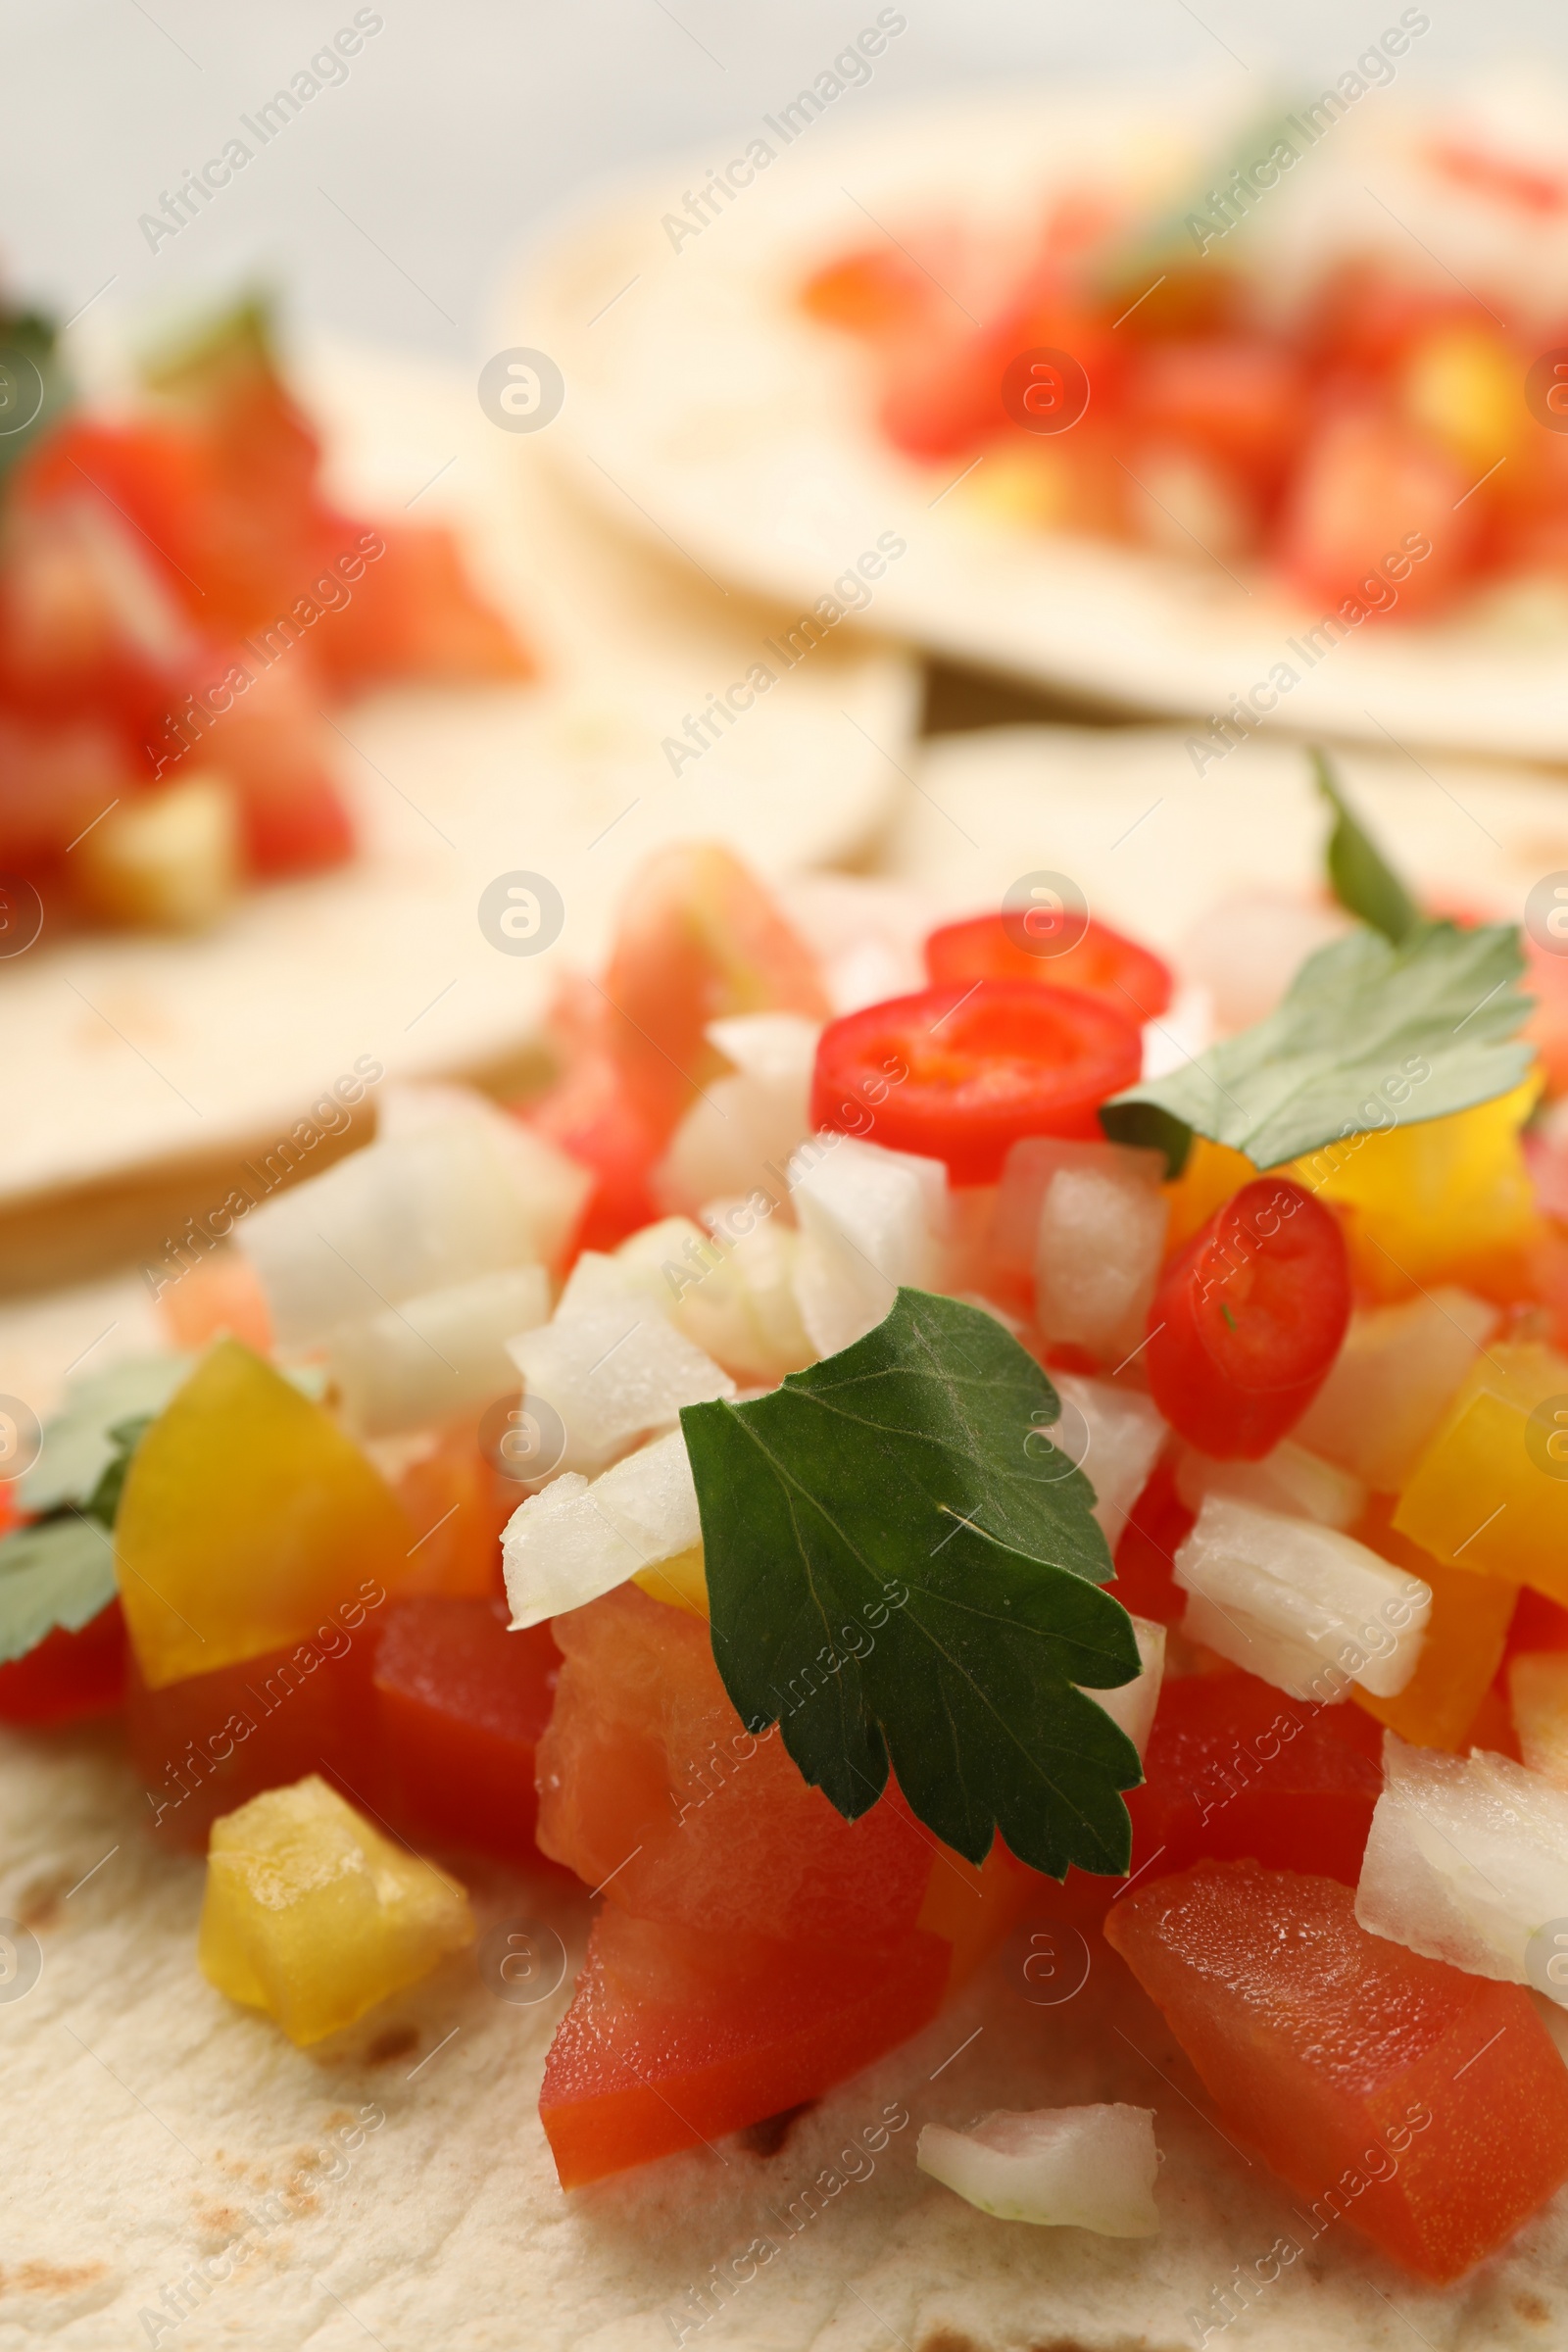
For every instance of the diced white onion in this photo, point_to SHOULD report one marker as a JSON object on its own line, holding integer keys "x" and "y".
{"x": 1124, "y": 1433}
{"x": 1289, "y": 1601}
{"x": 1076, "y": 2167}
{"x": 611, "y": 1367}
{"x": 1289, "y": 1480}
{"x": 1467, "y": 1862}
{"x": 1247, "y": 950}
{"x": 1028, "y": 1174}
{"x": 1537, "y": 1697}
{"x": 743, "y": 1123}
{"x": 1132, "y": 1704}
{"x": 436, "y": 1356}
{"x": 1096, "y": 1255}
{"x": 1392, "y": 1381}
{"x": 565, "y": 1546}
{"x": 551, "y": 1186}
{"x": 870, "y": 1220}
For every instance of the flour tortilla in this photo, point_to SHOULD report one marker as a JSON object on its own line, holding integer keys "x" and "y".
{"x": 706, "y": 406}
{"x": 1154, "y": 846}
{"x": 147, "y": 2117}
{"x": 130, "y": 1060}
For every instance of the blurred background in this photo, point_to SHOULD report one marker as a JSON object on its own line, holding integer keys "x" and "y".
{"x": 390, "y": 206}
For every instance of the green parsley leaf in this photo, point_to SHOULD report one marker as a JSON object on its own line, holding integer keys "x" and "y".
{"x": 1360, "y": 876}
{"x": 79, "y": 1443}
{"x": 33, "y": 383}
{"x": 1371, "y": 1034}
{"x": 917, "y": 1463}
{"x": 61, "y": 1572}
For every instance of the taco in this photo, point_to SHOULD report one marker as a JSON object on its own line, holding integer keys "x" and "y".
{"x": 1223, "y": 419}
{"x": 735, "y": 1929}
{"x": 143, "y": 1069}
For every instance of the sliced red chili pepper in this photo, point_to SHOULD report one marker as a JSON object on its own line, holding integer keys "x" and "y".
{"x": 1247, "y": 1319}
{"x": 983, "y": 1066}
{"x": 1100, "y": 962}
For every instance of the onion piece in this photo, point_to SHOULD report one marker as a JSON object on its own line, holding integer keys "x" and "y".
{"x": 1114, "y": 1436}
{"x": 869, "y": 1221}
{"x": 436, "y": 1356}
{"x": 1078, "y": 2168}
{"x": 565, "y": 1546}
{"x": 759, "y": 1113}
{"x": 611, "y": 1367}
{"x": 1292, "y": 1602}
{"x": 1467, "y": 1862}
{"x": 1132, "y": 1704}
{"x": 1391, "y": 1383}
{"x": 1290, "y": 1480}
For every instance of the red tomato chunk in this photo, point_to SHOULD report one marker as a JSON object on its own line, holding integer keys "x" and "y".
{"x": 68, "y": 1675}
{"x": 1425, "y": 2108}
{"x": 461, "y": 1703}
{"x": 676, "y": 2035}
{"x": 1234, "y": 1768}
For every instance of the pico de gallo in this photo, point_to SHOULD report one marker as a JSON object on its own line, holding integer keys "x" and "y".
{"x": 844, "y": 1479}
{"x": 1281, "y": 373}
{"x": 179, "y": 598}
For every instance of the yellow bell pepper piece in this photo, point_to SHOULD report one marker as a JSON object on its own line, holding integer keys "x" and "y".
{"x": 1537, "y": 1700}
{"x": 1434, "y": 1201}
{"x": 681, "y": 1579}
{"x": 1460, "y": 1652}
{"x": 247, "y": 1515}
{"x": 311, "y": 1915}
{"x": 1490, "y": 1494}
{"x": 1213, "y": 1172}
{"x": 1461, "y": 385}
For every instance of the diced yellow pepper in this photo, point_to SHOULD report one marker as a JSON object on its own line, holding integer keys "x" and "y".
{"x": 1490, "y": 1494}
{"x": 1460, "y": 1652}
{"x": 1461, "y": 385}
{"x": 311, "y": 1915}
{"x": 1438, "y": 1202}
{"x": 1213, "y": 1172}
{"x": 681, "y": 1579}
{"x": 246, "y": 1516}
{"x": 1537, "y": 1697}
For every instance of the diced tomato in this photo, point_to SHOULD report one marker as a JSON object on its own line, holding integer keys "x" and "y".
{"x": 1425, "y": 2108}
{"x": 219, "y": 1295}
{"x": 589, "y": 1115}
{"x": 1372, "y": 496}
{"x": 1248, "y": 1320}
{"x": 1233, "y": 1768}
{"x": 463, "y": 1704}
{"x": 698, "y": 938}
{"x": 677, "y": 2035}
{"x": 647, "y": 1772}
{"x": 1146, "y": 1549}
{"x": 413, "y": 614}
{"x": 204, "y": 1746}
{"x": 1100, "y": 963}
{"x": 457, "y": 1503}
{"x": 68, "y": 1675}
{"x": 1236, "y": 400}
{"x": 1536, "y": 1624}
{"x": 868, "y": 293}
{"x": 987, "y": 1064}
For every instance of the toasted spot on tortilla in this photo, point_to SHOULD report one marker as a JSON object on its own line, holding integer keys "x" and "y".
{"x": 40, "y": 1905}
{"x": 765, "y": 2139}
{"x": 49, "y": 2278}
{"x": 396, "y": 2041}
{"x": 1531, "y": 2307}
